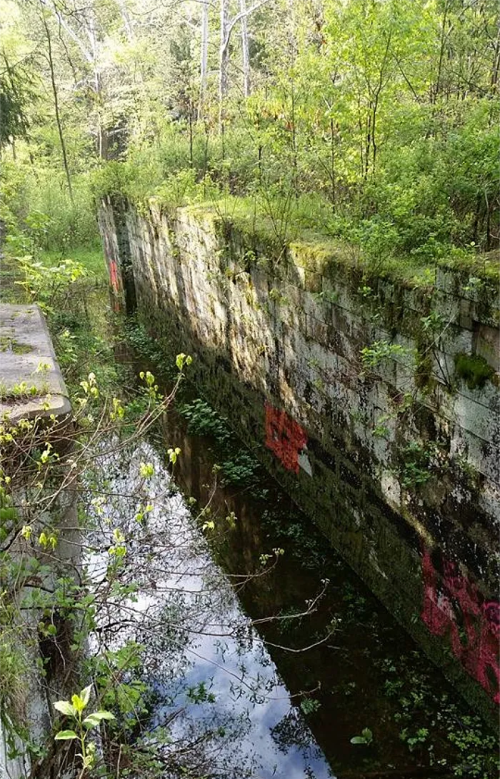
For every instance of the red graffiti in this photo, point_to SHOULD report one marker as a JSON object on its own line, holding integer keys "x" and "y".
{"x": 454, "y": 607}
{"x": 284, "y": 437}
{"x": 113, "y": 275}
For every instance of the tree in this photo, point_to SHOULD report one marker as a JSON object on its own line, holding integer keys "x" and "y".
{"x": 14, "y": 97}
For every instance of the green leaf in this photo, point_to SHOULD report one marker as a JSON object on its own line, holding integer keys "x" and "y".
{"x": 85, "y": 694}
{"x": 93, "y": 719}
{"x": 358, "y": 740}
{"x": 65, "y": 735}
{"x": 65, "y": 707}
{"x": 103, "y": 715}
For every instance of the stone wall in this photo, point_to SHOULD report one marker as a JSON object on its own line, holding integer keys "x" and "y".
{"x": 394, "y": 454}
{"x": 32, "y": 388}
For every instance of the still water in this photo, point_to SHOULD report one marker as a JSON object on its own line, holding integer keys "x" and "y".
{"x": 263, "y": 663}
{"x": 215, "y": 684}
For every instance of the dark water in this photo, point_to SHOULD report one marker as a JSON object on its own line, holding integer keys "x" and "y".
{"x": 337, "y": 678}
{"x": 368, "y": 673}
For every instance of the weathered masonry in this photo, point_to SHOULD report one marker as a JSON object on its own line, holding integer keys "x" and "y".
{"x": 374, "y": 401}
{"x": 33, "y": 395}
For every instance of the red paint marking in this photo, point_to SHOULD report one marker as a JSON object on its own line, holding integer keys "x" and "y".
{"x": 450, "y": 600}
{"x": 284, "y": 437}
{"x": 113, "y": 275}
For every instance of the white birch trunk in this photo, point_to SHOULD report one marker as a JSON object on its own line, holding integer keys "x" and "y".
{"x": 223, "y": 61}
{"x": 204, "y": 57}
{"x": 244, "y": 49}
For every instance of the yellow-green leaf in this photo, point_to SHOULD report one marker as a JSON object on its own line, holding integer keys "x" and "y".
{"x": 65, "y": 707}
{"x": 65, "y": 735}
{"x": 94, "y": 719}
{"x": 77, "y": 702}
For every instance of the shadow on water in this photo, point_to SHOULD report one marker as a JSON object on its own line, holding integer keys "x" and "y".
{"x": 339, "y": 682}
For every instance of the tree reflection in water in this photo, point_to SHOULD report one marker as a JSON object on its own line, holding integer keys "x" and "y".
{"x": 217, "y": 707}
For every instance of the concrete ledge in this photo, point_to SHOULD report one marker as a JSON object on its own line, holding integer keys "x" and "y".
{"x": 31, "y": 383}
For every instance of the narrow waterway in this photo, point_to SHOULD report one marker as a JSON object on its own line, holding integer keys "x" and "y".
{"x": 214, "y": 684}
{"x": 265, "y": 654}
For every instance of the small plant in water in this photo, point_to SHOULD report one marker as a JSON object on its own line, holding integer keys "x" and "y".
{"x": 310, "y": 705}
{"x": 366, "y": 737}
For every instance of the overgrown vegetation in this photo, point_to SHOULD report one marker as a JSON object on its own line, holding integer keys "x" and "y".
{"x": 365, "y": 126}
{"x": 373, "y": 123}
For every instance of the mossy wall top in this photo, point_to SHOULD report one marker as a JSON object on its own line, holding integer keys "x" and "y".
{"x": 371, "y": 393}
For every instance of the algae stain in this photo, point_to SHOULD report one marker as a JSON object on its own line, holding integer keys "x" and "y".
{"x": 8, "y": 344}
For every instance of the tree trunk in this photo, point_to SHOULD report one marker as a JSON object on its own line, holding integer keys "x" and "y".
{"x": 244, "y": 49}
{"x": 56, "y": 109}
{"x": 204, "y": 58}
{"x": 442, "y": 45}
{"x": 333, "y": 174}
{"x": 223, "y": 63}
{"x": 102, "y": 136}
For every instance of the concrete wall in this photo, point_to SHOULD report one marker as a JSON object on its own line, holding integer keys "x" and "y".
{"x": 32, "y": 388}
{"x": 397, "y": 462}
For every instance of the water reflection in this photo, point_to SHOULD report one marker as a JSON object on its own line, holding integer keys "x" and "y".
{"x": 216, "y": 688}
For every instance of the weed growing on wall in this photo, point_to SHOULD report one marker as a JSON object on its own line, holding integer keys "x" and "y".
{"x": 406, "y": 682}
{"x": 204, "y": 420}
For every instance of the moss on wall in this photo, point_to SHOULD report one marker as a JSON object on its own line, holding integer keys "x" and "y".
{"x": 473, "y": 369}
{"x": 390, "y": 444}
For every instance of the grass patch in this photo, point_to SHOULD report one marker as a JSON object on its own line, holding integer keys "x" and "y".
{"x": 91, "y": 257}
{"x": 8, "y": 344}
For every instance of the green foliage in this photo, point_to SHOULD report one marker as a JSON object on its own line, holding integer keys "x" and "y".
{"x": 423, "y": 726}
{"x": 46, "y": 285}
{"x": 365, "y": 739}
{"x": 42, "y": 215}
{"x": 306, "y": 547}
{"x": 142, "y": 343}
{"x": 73, "y": 710}
{"x": 118, "y": 679}
{"x": 415, "y": 464}
{"x": 14, "y": 669}
{"x": 240, "y": 470}
{"x": 17, "y": 90}
{"x": 238, "y": 466}
{"x": 204, "y": 420}
{"x": 416, "y": 740}
{"x": 310, "y": 706}
{"x": 379, "y": 351}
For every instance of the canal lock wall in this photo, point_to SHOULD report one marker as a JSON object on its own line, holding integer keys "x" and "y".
{"x": 372, "y": 398}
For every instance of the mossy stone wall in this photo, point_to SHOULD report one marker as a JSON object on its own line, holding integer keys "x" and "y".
{"x": 395, "y": 457}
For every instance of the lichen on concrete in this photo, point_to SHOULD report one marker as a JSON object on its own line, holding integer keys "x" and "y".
{"x": 31, "y": 383}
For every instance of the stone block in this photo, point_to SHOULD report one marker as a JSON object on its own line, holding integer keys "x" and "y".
{"x": 31, "y": 381}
